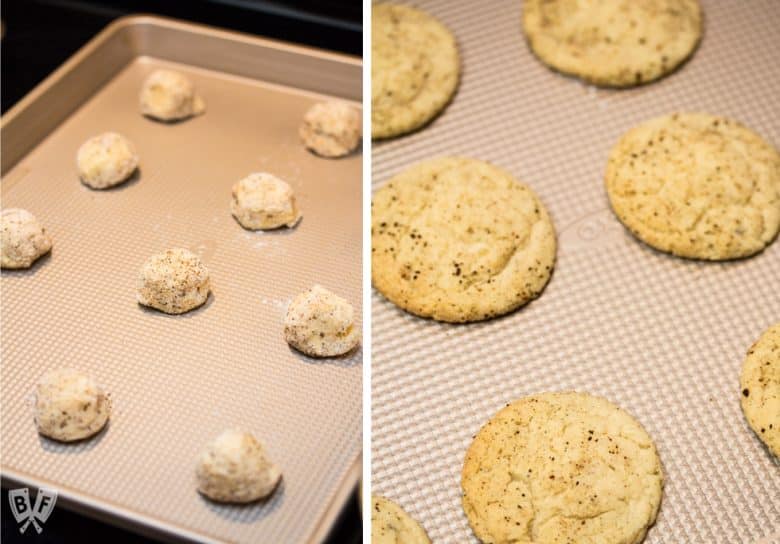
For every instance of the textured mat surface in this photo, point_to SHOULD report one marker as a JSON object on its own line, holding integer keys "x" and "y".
{"x": 178, "y": 381}
{"x": 662, "y": 337}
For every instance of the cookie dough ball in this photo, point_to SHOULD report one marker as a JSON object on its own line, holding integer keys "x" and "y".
{"x": 262, "y": 201}
{"x": 321, "y": 324}
{"x": 69, "y": 405}
{"x": 24, "y": 239}
{"x": 331, "y": 129}
{"x": 697, "y": 186}
{"x": 390, "y": 524}
{"x": 169, "y": 96}
{"x": 414, "y": 69}
{"x": 106, "y": 160}
{"x": 562, "y": 467}
{"x": 236, "y": 468}
{"x": 614, "y": 43}
{"x": 173, "y": 282}
{"x": 459, "y": 240}
{"x": 760, "y": 383}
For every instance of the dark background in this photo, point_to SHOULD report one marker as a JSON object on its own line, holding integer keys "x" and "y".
{"x": 41, "y": 34}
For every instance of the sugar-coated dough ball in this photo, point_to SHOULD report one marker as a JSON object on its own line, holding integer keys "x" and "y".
{"x": 23, "y": 238}
{"x": 263, "y": 201}
{"x": 174, "y": 282}
{"x": 69, "y": 405}
{"x": 168, "y": 96}
{"x": 331, "y": 129}
{"x": 235, "y": 468}
{"x": 321, "y": 324}
{"x": 106, "y": 160}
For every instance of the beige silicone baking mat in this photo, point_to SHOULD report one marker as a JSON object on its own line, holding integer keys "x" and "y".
{"x": 662, "y": 337}
{"x": 178, "y": 381}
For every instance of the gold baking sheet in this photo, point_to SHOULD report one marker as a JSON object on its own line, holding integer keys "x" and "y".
{"x": 662, "y": 337}
{"x": 178, "y": 381}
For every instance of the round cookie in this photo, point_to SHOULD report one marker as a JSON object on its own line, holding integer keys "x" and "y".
{"x": 459, "y": 240}
{"x": 613, "y": 43}
{"x": 562, "y": 467}
{"x": 760, "y": 384}
{"x": 23, "y": 240}
{"x": 106, "y": 160}
{"x": 262, "y": 201}
{"x": 173, "y": 282}
{"x": 169, "y": 96}
{"x": 414, "y": 69}
{"x": 321, "y": 324}
{"x": 235, "y": 468}
{"x": 390, "y": 524}
{"x": 69, "y": 405}
{"x": 331, "y": 129}
{"x": 696, "y": 186}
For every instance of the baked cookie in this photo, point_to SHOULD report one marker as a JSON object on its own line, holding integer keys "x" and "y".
{"x": 613, "y": 43}
{"x": 173, "y": 282}
{"x": 414, "y": 69}
{"x": 390, "y": 524}
{"x": 69, "y": 405}
{"x": 459, "y": 240}
{"x": 696, "y": 186}
{"x": 262, "y": 201}
{"x": 561, "y": 467}
{"x": 235, "y": 468}
{"x": 106, "y": 160}
{"x": 321, "y": 324}
{"x": 760, "y": 383}
{"x": 170, "y": 96}
{"x": 23, "y": 240}
{"x": 331, "y": 129}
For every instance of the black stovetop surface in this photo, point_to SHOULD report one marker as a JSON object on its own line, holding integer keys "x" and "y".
{"x": 39, "y": 35}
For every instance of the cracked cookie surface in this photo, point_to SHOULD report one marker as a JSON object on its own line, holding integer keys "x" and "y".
{"x": 390, "y": 524}
{"x": 760, "y": 386}
{"x": 697, "y": 186}
{"x": 559, "y": 468}
{"x": 459, "y": 240}
{"x": 414, "y": 70}
{"x": 615, "y": 43}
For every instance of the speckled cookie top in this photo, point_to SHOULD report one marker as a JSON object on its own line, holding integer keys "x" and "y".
{"x": 613, "y": 42}
{"x": 696, "y": 185}
{"x": 390, "y": 524}
{"x": 760, "y": 384}
{"x": 458, "y": 240}
{"x": 561, "y": 467}
{"x": 414, "y": 71}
